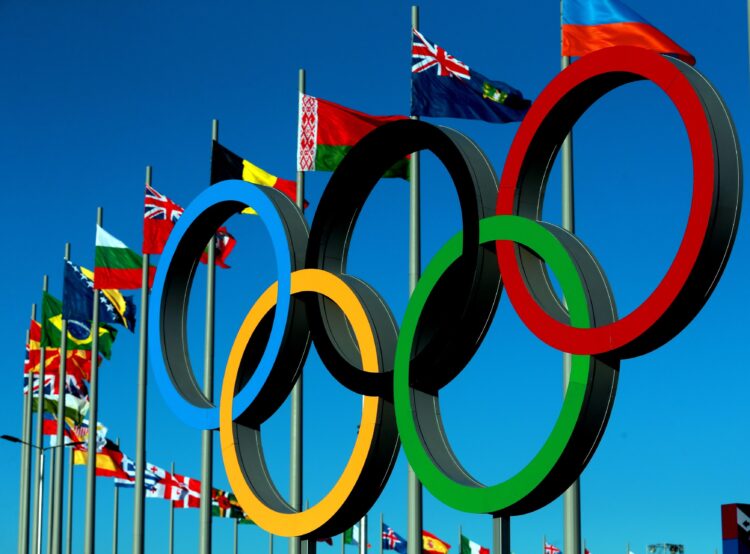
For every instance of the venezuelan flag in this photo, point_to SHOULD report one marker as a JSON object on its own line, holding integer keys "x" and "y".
{"x": 590, "y": 25}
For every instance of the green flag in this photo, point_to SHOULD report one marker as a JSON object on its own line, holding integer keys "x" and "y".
{"x": 351, "y": 535}
{"x": 79, "y": 333}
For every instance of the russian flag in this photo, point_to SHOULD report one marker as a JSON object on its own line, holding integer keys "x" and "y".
{"x": 590, "y": 25}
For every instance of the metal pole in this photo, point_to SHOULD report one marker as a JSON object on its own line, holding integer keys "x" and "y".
{"x": 90, "y": 527}
{"x": 460, "y": 538}
{"x": 171, "y": 523}
{"x": 501, "y": 535}
{"x": 571, "y": 497}
{"x": 343, "y": 542}
{"x": 363, "y": 535}
{"x": 207, "y": 443}
{"x": 36, "y": 540}
{"x": 236, "y": 534}
{"x": 39, "y": 492}
{"x": 50, "y": 497}
{"x": 140, "y": 425}
{"x": 23, "y": 508}
{"x": 381, "y": 533}
{"x": 270, "y": 543}
{"x": 115, "y": 513}
{"x": 295, "y": 447}
{"x": 56, "y": 506}
{"x": 69, "y": 522}
{"x": 414, "y": 494}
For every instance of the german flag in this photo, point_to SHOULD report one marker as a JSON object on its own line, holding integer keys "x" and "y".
{"x": 225, "y": 164}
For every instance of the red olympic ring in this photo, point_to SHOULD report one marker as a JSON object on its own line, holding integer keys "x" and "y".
{"x": 705, "y": 245}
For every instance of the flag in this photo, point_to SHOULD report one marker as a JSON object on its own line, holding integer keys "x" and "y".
{"x": 442, "y": 86}
{"x": 432, "y": 544}
{"x": 735, "y": 528}
{"x": 587, "y": 551}
{"x": 78, "y": 299}
{"x": 392, "y": 540}
{"x": 108, "y": 460}
{"x": 590, "y": 25}
{"x": 550, "y": 548}
{"x": 224, "y": 242}
{"x": 225, "y": 504}
{"x": 190, "y": 492}
{"x": 225, "y": 164}
{"x": 351, "y": 535}
{"x": 327, "y": 540}
{"x": 470, "y": 547}
{"x": 327, "y": 131}
{"x": 158, "y": 220}
{"x": 116, "y": 266}
{"x": 150, "y": 478}
{"x": 79, "y": 333}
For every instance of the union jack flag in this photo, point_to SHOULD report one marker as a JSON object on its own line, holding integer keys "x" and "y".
{"x": 159, "y": 206}
{"x": 426, "y": 55}
{"x": 159, "y": 218}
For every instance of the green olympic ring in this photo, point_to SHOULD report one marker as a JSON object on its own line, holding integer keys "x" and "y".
{"x": 435, "y": 466}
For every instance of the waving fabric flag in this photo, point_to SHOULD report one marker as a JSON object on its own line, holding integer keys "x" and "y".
{"x": 190, "y": 492}
{"x": 392, "y": 540}
{"x": 79, "y": 333}
{"x": 78, "y": 299}
{"x": 433, "y": 545}
{"x": 158, "y": 220}
{"x": 225, "y": 164}
{"x": 115, "y": 265}
{"x": 351, "y": 535}
{"x": 551, "y": 549}
{"x": 442, "y": 86}
{"x": 470, "y": 547}
{"x": 327, "y": 131}
{"x": 590, "y": 25}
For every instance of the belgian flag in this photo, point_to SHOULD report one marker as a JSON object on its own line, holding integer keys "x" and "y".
{"x": 225, "y": 164}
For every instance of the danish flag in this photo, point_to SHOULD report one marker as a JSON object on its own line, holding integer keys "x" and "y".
{"x": 426, "y": 55}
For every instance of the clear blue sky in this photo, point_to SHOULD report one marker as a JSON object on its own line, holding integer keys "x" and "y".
{"x": 92, "y": 92}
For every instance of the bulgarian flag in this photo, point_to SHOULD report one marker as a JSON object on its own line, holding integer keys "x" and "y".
{"x": 470, "y": 547}
{"x": 225, "y": 164}
{"x": 115, "y": 265}
{"x": 327, "y": 131}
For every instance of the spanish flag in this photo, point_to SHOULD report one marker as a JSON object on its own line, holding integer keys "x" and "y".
{"x": 433, "y": 545}
{"x": 225, "y": 164}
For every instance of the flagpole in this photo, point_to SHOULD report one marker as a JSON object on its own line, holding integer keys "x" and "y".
{"x": 295, "y": 447}
{"x": 25, "y": 500}
{"x": 50, "y": 496}
{"x": 140, "y": 426}
{"x": 207, "y": 450}
{"x": 501, "y": 534}
{"x": 414, "y": 487}
{"x": 460, "y": 536}
{"x": 36, "y": 537}
{"x": 270, "y": 543}
{"x": 571, "y": 497}
{"x": 56, "y": 505}
{"x": 381, "y": 533}
{"x": 170, "y": 549}
{"x": 115, "y": 512}
{"x": 236, "y": 534}
{"x": 343, "y": 542}
{"x": 90, "y": 526}
{"x": 69, "y": 522}
{"x": 363, "y": 535}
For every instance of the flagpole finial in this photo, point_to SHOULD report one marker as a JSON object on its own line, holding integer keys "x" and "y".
{"x": 415, "y": 16}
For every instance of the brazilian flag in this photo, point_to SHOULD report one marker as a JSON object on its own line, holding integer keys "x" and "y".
{"x": 79, "y": 332}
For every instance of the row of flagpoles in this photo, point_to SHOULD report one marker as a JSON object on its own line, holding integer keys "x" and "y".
{"x": 74, "y": 333}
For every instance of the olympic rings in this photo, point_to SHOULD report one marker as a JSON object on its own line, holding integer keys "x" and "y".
{"x": 375, "y": 448}
{"x": 401, "y": 373}
{"x": 170, "y": 294}
{"x": 714, "y": 212}
{"x": 585, "y": 411}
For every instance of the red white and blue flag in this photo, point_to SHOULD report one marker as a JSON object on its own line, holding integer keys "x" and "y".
{"x": 392, "y": 540}
{"x": 159, "y": 218}
{"x": 590, "y": 25}
{"x": 444, "y": 86}
{"x": 550, "y": 549}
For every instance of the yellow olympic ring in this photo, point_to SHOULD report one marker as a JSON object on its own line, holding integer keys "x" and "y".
{"x": 288, "y": 522}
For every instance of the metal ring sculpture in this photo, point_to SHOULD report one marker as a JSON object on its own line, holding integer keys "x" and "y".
{"x": 400, "y": 373}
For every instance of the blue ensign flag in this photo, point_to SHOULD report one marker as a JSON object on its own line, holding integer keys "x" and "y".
{"x": 442, "y": 86}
